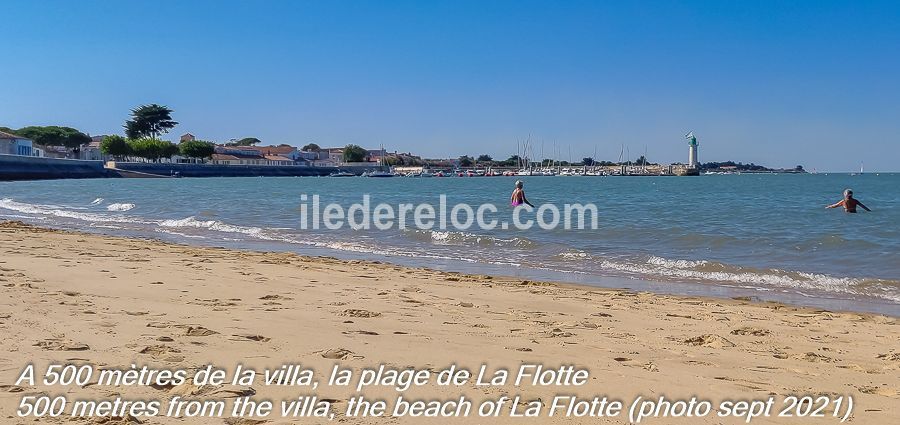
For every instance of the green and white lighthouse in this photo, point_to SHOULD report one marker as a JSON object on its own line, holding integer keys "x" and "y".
{"x": 693, "y": 162}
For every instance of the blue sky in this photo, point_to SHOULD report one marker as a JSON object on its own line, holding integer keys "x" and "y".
{"x": 777, "y": 83}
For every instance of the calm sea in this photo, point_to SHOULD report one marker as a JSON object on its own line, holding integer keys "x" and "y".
{"x": 723, "y": 235}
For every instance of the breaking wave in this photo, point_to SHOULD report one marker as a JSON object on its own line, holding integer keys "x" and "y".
{"x": 119, "y": 207}
{"x": 468, "y": 239}
{"x": 213, "y": 225}
{"x": 664, "y": 269}
{"x": 64, "y": 212}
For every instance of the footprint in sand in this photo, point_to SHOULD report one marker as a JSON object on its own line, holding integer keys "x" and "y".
{"x": 363, "y": 314}
{"x": 891, "y": 357}
{"x": 360, "y": 333}
{"x": 749, "y": 330}
{"x": 11, "y": 388}
{"x": 559, "y": 333}
{"x": 252, "y": 337}
{"x": 813, "y": 358}
{"x": 244, "y": 421}
{"x": 338, "y": 354}
{"x": 884, "y": 391}
{"x": 199, "y": 331}
{"x": 163, "y": 352}
{"x": 188, "y": 389}
{"x": 272, "y": 297}
{"x": 709, "y": 340}
{"x": 56, "y": 345}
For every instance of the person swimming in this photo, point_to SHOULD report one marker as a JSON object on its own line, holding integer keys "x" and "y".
{"x": 518, "y": 195}
{"x": 849, "y": 203}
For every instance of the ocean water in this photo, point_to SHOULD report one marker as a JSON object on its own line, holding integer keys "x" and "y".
{"x": 753, "y": 234}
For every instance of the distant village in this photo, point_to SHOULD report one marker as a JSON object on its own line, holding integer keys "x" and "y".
{"x": 251, "y": 151}
{"x": 142, "y": 144}
{"x": 230, "y": 153}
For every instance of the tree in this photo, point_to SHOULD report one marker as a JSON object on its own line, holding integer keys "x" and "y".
{"x": 485, "y": 158}
{"x": 312, "y": 147}
{"x": 152, "y": 149}
{"x": 55, "y": 136}
{"x": 588, "y": 161}
{"x": 513, "y": 161}
{"x": 465, "y": 161}
{"x": 246, "y": 141}
{"x": 196, "y": 149}
{"x": 354, "y": 153}
{"x": 641, "y": 161}
{"x": 169, "y": 149}
{"x": 149, "y": 121}
{"x": 116, "y": 146}
{"x": 8, "y": 130}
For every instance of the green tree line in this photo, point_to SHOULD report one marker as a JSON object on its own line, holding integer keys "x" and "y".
{"x": 153, "y": 150}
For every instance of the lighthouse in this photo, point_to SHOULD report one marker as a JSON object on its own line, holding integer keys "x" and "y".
{"x": 693, "y": 162}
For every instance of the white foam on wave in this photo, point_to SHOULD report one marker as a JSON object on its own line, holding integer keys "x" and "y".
{"x": 119, "y": 207}
{"x": 214, "y": 225}
{"x": 666, "y": 269}
{"x": 57, "y": 211}
{"x": 683, "y": 269}
{"x": 444, "y": 237}
{"x": 574, "y": 255}
{"x": 676, "y": 264}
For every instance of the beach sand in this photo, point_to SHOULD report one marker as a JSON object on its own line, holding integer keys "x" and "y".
{"x": 115, "y": 301}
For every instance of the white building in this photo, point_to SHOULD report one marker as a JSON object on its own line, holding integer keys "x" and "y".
{"x": 10, "y": 144}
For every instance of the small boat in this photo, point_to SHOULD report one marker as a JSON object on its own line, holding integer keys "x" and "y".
{"x": 378, "y": 173}
{"x": 342, "y": 174}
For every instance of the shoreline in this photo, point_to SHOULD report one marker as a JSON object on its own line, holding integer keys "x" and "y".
{"x": 698, "y": 289}
{"x": 114, "y": 300}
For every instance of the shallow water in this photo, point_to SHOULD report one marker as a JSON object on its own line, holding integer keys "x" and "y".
{"x": 761, "y": 234}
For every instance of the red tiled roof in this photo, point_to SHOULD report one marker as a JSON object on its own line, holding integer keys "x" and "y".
{"x": 5, "y": 135}
{"x": 272, "y": 150}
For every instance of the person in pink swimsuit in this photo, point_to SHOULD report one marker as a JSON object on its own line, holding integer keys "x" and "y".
{"x": 518, "y": 195}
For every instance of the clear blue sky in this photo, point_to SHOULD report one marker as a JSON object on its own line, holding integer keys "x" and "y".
{"x": 779, "y": 83}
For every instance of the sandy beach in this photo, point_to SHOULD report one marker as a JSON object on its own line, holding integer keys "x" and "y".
{"x": 112, "y": 301}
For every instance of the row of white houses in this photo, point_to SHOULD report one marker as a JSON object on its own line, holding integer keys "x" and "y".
{"x": 10, "y": 144}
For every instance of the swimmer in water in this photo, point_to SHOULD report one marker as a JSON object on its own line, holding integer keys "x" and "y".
{"x": 849, "y": 203}
{"x": 518, "y": 196}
